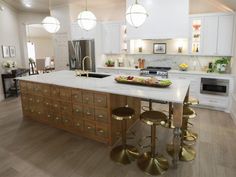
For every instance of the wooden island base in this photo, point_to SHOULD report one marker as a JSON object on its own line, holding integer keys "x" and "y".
{"x": 82, "y": 112}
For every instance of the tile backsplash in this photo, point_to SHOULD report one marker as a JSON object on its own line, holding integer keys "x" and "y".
{"x": 197, "y": 63}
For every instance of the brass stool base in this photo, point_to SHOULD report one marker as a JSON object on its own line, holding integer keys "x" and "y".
{"x": 123, "y": 155}
{"x": 190, "y": 136}
{"x": 169, "y": 124}
{"x": 186, "y": 154}
{"x": 152, "y": 166}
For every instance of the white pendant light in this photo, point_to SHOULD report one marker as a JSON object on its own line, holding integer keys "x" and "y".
{"x": 136, "y": 15}
{"x": 51, "y": 24}
{"x": 86, "y": 19}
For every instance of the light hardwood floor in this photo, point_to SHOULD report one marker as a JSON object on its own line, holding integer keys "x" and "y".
{"x": 30, "y": 149}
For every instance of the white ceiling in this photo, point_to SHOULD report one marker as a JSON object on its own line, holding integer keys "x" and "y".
{"x": 42, "y": 6}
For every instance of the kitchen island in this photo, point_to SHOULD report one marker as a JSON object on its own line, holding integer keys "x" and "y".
{"x": 83, "y": 105}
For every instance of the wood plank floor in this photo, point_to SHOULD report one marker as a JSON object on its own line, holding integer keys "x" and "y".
{"x": 30, "y": 149}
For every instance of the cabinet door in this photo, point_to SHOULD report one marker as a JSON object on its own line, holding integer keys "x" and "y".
{"x": 225, "y": 35}
{"x": 111, "y": 38}
{"x": 210, "y": 37}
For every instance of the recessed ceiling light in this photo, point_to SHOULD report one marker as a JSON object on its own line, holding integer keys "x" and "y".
{"x": 28, "y": 5}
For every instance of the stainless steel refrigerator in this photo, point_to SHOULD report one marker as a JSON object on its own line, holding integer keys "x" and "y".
{"x": 78, "y": 50}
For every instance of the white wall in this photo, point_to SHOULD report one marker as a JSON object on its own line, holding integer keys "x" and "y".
{"x": 43, "y": 47}
{"x": 27, "y": 19}
{"x": 9, "y": 35}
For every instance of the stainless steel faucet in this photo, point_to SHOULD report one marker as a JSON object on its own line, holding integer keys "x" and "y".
{"x": 90, "y": 62}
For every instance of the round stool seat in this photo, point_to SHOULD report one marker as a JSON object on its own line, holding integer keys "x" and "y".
{"x": 189, "y": 113}
{"x": 123, "y": 113}
{"x": 153, "y": 118}
{"x": 191, "y": 101}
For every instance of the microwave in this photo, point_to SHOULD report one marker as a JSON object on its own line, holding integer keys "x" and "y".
{"x": 215, "y": 86}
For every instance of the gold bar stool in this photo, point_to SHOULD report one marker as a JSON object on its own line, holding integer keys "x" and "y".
{"x": 187, "y": 153}
{"x": 123, "y": 154}
{"x": 150, "y": 162}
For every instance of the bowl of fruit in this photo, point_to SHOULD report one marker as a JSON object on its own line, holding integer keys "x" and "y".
{"x": 183, "y": 67}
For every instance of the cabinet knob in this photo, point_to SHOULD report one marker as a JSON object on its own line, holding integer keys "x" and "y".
{"x": 100, "y": 116}
{"x": 49, "y": 115}
{"x": 88, "y": 113}
{"x": 101, "y": 131}
{"x": 78, "y": 124}
{"x": 89, "y": 128}
{"x": 99, "y": 100}
{"x": 57, "y": 118}
{"x": 77, "y": 110}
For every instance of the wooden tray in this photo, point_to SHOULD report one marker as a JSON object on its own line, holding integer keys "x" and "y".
{"x": 142, "y": 84}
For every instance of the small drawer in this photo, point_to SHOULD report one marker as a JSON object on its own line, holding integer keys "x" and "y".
{"x": 49, "y": 117}
{"x": 66, "y": 108}
{"x": 88, "y": 98}
{"x": 55, "y": 92}
{"x": 30, "y": 87}
{"x": 57, "y": 119}
{"x": 101, "y": 115}
{"x": 38, "y": 89}
{"x": 39, "y": 112}
{"x": 101, "y": 131}
{"x": 100, "y": 100}
{"x": 76, "y": 96}
{"x": 39, "y": 101}
{"x": 46, "y": 90}
{"x": 79, "y": 125}
{"x": 89, "y": 128}
{"x": 66, "y": 120}
{"x": 65, "y": 94}
{"x": 56, "y": 106}
{"x": 77, "y": 111}
{"x": 24, "y": 98}
{"x": 31, "y": 99}
{"x": 23, "y": 86}
{"x": 88, "y": 112}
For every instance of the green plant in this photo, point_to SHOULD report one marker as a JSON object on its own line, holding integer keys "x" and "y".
{"x": 110, "y": 63}
{"x": 224, "y": 60}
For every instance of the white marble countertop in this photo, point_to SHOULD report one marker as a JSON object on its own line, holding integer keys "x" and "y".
{"x": 121, "y": 68}
{"x": 200, "y": 73}
{"x": 175, "y": 93}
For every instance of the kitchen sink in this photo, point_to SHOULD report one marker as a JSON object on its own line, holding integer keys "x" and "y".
{"x": 95, "y": 75}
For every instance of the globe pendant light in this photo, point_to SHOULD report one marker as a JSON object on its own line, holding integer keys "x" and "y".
{"x": 86, "y": 19}
{"x": 51, "y": 24}
{"x": 136, "y": 14}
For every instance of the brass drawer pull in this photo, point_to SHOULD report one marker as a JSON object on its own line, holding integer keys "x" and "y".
{"x": 66, "y": 120}
{"x": 57, "y": 118}
{"x": 88, "y": 113}
{"x": 47, "y": 103}
{"x": 77, "y": 110}
{"x": 75, "y": 96}
{"x": 39, "y": 113}
{"x": 31, "y": 99}
{"x": 100, "y": 116}
{"x": 89, "y": 128}
{"x": 99, "y": 100}
{"x": 101, "y": 131}
{"x": 49, "y": 115}
{"x": 55, "y": 105}
{"x": 78, "y": 124}
{"x": 45, "y": 91}
{"x": 37, "y": 101}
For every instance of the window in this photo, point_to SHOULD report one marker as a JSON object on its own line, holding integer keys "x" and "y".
{"x": 31, "y": 50}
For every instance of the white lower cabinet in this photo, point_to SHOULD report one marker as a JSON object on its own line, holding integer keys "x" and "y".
{"x": 206, "y": 100}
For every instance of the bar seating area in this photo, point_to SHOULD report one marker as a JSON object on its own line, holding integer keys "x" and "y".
{"x": 150, "y": 161}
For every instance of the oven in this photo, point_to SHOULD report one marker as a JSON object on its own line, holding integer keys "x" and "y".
{"x": 215, "y": 86}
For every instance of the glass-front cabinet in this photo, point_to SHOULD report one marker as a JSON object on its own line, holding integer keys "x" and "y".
{"x": 196, "y": 35}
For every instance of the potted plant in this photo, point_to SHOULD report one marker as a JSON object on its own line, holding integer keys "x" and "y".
{"x": 8, "y": 65}
{"x": 110, "y": 63}
{"x": 221, "y": 64}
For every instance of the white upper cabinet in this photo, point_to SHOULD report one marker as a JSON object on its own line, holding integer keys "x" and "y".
{"x": 111, "y": 38}
{"x": 212, "y": 34}
{"x": 166, "y": 19}
{"x": 225, "y": 35}
{"x": 79, "y": 34}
